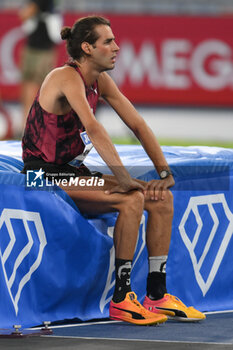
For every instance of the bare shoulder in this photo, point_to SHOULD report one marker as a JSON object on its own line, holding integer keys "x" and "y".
{"x": 106, "y": 85}
{"x": 59, "y": 80}
{"x": 103, "y": 79}
{"x": 62, "y": 74}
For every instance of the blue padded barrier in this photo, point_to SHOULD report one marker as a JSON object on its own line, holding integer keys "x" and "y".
{"x": 56, "y": 264}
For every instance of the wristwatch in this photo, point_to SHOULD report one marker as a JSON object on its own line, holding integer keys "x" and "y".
{"x": 164, "y": 174}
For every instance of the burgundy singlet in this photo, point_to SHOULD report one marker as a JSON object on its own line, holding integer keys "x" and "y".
{"x": 56, "y": 138}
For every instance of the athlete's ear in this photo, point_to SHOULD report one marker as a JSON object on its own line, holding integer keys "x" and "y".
{"x": 86, "y": 47}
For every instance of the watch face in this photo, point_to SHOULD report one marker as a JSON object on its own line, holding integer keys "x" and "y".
{"x": 164, "y": 174}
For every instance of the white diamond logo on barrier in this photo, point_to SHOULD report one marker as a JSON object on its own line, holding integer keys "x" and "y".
{"x": 6, "y": 255}
{"x": 209, "y": 201}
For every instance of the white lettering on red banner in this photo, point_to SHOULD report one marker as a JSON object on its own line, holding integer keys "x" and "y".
{"x": 209, "y": 65}
{"x": 174, "y": 60}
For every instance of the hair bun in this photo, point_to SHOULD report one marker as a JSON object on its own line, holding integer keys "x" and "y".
{"x": 66, "y": 33}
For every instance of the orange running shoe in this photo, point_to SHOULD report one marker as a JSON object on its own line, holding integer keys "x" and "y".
{"x": 174, "y": 308}
{"x": 130, "y": 310}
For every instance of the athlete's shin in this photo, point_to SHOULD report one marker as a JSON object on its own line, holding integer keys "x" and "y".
{"x": 123, "y": 285}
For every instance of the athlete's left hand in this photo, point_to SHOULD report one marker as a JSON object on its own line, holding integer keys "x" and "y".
{"x": 156, "y": 189}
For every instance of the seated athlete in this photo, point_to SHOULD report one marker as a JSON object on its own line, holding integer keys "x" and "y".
{"x": 60, "y": 127}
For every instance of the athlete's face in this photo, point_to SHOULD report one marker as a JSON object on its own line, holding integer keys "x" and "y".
{"x": 105, "y": 49}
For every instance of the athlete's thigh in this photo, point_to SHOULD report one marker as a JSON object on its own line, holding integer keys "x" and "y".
{"x": 93, "y": 199}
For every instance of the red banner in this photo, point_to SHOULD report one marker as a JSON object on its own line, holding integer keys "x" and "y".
{"x": 162, "y": 60}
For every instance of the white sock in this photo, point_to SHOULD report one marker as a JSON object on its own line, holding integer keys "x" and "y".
{"x": 157, "y": 263}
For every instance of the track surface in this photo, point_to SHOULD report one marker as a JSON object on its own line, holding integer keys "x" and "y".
{"x": 213, "y": 333}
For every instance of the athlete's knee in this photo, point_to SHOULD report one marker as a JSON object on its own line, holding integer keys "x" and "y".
{"x": 133, "y": 202}
{"x": 169, "y": 199}
{"x": 166, "y": 205}
{"x": 162, "y": 207}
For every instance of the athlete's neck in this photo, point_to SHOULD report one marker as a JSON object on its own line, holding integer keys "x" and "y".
{"x": 89, "y": 73}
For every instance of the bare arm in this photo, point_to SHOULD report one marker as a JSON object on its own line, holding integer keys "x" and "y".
{"x": 136, "y": 123}
{"x": 73, "y": 89}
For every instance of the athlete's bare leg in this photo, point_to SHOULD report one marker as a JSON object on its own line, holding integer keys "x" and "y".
{"x": 130, "y": 206}
{"x": 159, "y": 225}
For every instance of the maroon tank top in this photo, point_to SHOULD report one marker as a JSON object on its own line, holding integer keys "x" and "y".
{"x": 56, "y": 138}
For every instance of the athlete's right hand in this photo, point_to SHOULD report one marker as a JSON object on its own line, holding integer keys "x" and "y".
{"x": 125, "y": 187}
